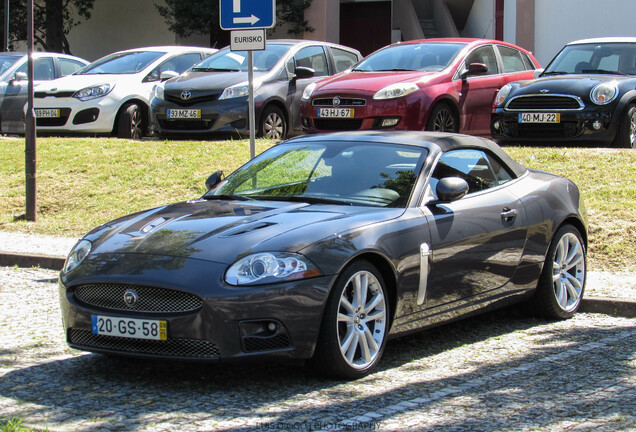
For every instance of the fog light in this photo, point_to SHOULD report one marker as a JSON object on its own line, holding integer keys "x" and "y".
{"x": 272, "y": 327}
{"x": 496, "y": 125}
{"x": 596, "y": 125}
{"x": 390, "y": 122}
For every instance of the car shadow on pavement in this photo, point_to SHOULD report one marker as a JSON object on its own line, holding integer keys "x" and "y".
{"x": 500, "y": 368}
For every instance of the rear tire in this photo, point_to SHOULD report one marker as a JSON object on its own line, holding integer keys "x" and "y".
{"x": 626, "y": 136}
{"x": 562, "y": 282}
{"x": 131, "y": 124}
{"x": 355, "y": 324}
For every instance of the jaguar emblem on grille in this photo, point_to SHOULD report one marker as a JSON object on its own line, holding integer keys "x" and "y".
{"x": 130, "y": 298}
{"x": 185, "y": 95}
{"x": 336, "y": 101}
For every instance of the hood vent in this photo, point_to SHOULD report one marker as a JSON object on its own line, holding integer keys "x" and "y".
{"x": 244, "y": 229}
{"x": 153, "y": 225}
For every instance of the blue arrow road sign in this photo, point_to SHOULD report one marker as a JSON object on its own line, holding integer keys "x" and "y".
{"x": 247, "y": 14}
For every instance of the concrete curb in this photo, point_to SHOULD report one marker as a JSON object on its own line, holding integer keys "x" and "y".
{"x": 607, "y": 306}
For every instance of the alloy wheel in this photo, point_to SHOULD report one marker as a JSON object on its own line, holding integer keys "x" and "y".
{"x": 273, "y": 126}
{"x": 568, "y": 272}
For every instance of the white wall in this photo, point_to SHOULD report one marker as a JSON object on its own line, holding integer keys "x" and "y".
{"x": 560, "y": 21}
{"x": 117, "y": 25}
{"x": 510, "y": 21}
{"x": 481, "y": 21}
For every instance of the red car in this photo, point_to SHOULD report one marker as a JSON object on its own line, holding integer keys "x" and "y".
{"x": 445, "y": 84}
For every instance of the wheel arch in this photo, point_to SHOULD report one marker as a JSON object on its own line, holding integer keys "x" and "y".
{"x": 578, "y": 224}
{"x": 273, "y": 102}
{"x": 145, "y": 113}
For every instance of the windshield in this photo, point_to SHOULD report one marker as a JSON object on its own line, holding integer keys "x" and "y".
{"x": 122, "y": 63}
{"x": 411, "y": 57}
{"x": 236, "y": 61}
{"x": 7, "y": 61}
{"x": 608, "y": 58}
{"x": 344, "y": 173}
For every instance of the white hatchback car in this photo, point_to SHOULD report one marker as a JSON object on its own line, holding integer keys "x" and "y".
{"x": 111, "y": 95}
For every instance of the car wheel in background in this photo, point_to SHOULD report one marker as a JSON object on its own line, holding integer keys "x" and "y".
{"x": 355, "y": 325}
{"x": 626, "y": 136}
{"x": 273, "y": 124}
{"x": 443, "y": 119}
{"x": 562, "y": 282}
{"x": 130, "y": 124}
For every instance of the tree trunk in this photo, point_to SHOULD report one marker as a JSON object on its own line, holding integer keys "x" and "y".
{"x": 54, "y": 22}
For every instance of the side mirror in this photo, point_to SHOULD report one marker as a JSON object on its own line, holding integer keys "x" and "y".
{"x": 214, "y": 179}
{"x": 475, "y": 69}
{"x": 19, "y": 76}
{"x": 166, "y": 75}
{"x": 304, "y": 72}
{"x": 451, "y": 189}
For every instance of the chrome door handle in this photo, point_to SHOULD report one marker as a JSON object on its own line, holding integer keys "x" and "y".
{"x": 509, "y": 215}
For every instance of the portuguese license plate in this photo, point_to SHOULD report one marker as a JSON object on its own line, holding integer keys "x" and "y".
{"x": 47, "y": 113}
{"x": 184, "y": 113}
{"x": 336, "y": 112}
{"x": 129, "y": 327}
{"x": 539, "y": 117}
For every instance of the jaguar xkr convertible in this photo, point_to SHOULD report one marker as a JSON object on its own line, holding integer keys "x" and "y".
{"x": 324, "y": 247}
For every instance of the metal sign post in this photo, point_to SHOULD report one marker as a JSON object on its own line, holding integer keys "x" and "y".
{"x": 29, "y": 133}
{"x": 248, "y": 20}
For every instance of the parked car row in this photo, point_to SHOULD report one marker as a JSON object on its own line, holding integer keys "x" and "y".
{"x": 473, "y": 86}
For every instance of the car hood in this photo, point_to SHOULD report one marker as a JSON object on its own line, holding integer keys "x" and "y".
{"x": 575, "y": 84}
{"x": 370, "y": 82}
{"x": 78, "y": 82}
{"x": 221, "y": 231}
{"x": 208, "y": 80}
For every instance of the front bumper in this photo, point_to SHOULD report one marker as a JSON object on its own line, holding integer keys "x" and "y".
{"x": 281, "y": 320}
{"x": 587, "y": 125}
{"x": 397, "y": 114}
{"x": 92, "y": 116}
{"x": 227, "y": 116}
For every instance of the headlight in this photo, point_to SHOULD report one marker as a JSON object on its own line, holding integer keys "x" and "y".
{"x": 77, "y": 255}
{"x": 238, "y": 90}
{"x": 502, "y": 94}
{"x": 93, "y": 92}
{"x": 264, "y": 268}
{"x": 393, "y": 91}
{"x": 159, "y": 93}
{"x": 308, "y": 91}
{"x": 604, "y": 93}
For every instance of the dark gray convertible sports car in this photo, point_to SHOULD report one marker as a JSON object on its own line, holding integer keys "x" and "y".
{"x": 325, "y": 246}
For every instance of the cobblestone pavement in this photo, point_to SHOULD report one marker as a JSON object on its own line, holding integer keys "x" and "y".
{"x": 501, "y": 371}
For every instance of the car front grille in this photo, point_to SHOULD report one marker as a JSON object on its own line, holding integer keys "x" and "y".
{"x": 260, "y": 343}
{"x": 148, "y": 299}
{"x": 563, "y": 130}
{"x": 187, "y": 125}
{"x": 192, "y": 101}
{"x": 55, "y": 121}
{"x": 182, "y": 348}
{"x": 339, "y": 124}
{"x": 544, "y": 103}
{"x": 43, "y": 94}
{"x": 344, "y": 102}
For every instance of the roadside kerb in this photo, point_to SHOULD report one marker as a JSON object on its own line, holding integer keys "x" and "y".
{"x": 608, "y": 306}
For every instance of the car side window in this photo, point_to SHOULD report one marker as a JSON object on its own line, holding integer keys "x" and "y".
{"x": 485, "y": 55}
{"x": 68, "y": 66}
{"x": 312, "y": 57}
{"x": 43, "y": 69}
{"x": 480, "y": 170}
{"x": 343, "y": 59}
{"x": 512, "y": 60}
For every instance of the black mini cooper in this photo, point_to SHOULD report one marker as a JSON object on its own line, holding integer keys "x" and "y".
{"x": 587, "y": 94}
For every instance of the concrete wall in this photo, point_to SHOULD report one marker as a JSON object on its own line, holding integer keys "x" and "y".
{"x": 561, "y": 21}
{"x": 481, "y": 21}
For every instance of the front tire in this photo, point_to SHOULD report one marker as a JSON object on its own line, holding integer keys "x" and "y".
{"x": 626, "y": 136}
{"x": 443, "y": 119}
{"x": 130, "y": 123}
{"x": 562, "y": 282}
{"x": 273, "y": 124}
{"x": 355, "y": 325}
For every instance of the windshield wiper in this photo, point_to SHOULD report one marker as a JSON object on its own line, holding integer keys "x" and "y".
{"x": 603, "y": 71}
{"x": 303, "y": 198}
{"x": 228, "y": 197}
{"x": 214, "y": 70}
{"x": 555, "y": 73}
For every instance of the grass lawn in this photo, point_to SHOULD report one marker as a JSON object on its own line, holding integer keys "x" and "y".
{"x": 83, "y": 182}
